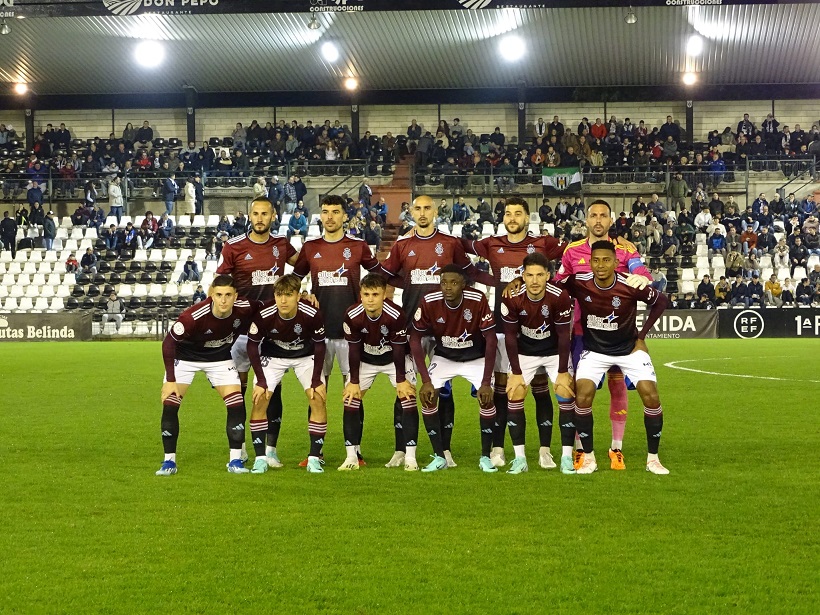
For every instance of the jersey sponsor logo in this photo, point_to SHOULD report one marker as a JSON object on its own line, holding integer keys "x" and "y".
{"x": 264, "y": 277}
{"x": 248, "y": 257}
{"x": 468, "y": 315}
{"x": 179, "y": 328}
{"x": 383, "y": 348}
{"x": 508, "y": 274}
{"x": 462, "y": 341}
{"x": 487, "y": 317}
{"x": 425, "y": 276}
{"x": 565, "y": 314}
{"x": 297, "y": 344}
{"x": 616, "y": 302}
{"x": 333, "y": 278}
{"x": 227, "y": 340}
{"x": 606, "y": 323}
{"x": 439, "y": 249}
{"x": 541, "y": 333}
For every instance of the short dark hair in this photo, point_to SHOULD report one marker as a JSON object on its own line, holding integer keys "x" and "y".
{"x": 373, "y": 280}
{"x": 453, "y": 268}
{"x": 224, "y": 279}
{"x": 536, "y": 259}
{"x": 287, "y": 284}
{"x": 602, "y": 202}
{"x": 333, "y": 199}
{"x": 517, "y": 200}
{"x": 603, "y": 245}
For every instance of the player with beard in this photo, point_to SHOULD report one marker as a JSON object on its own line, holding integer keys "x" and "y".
{"x": 418, "y": 258}
{"x": 506, "y": 253}
{"x": 608, "y": 306}
{"x": 334, "y": 263}
{"x": 576, "y": 259}
{"x": 256, "y": 260}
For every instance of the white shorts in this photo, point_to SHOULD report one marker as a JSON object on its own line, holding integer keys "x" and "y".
{"x": 532, "y": 365}
{"x": 239, "y": 354}
{"x": 502, "y": 361}
{"x": 441, "y": 370}
{"x": 336, "y": 349}
{"x": 274, "y": 369}
{"x": 635, "y": 367}
{"x": 219, "y": 373}
{"x": 428, "y": 345}
{"x": 368, "y": 373}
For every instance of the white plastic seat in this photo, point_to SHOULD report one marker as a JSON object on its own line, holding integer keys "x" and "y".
{"x": 199, "y": 220}
{"x": 71, "y": 245}
{"x": 63, "y": 291}
{"x": 171, "y": 255}
{"x": 799, "y": 273}
{"x": 10, "y": 304}
{"x": 85, "y": 244}
{"x": 687, "y": 287}
{"x": 766, "y": 273}
{"x": 21, "y": 257}
{"x": 688, "y": 275}
{"x": 702, "y": 261}
{"x": 124, "y": 221}
{"x": 140, "y": 290}
{"x": 138, "y": 221}
{"x": 813, "y": 260}
{"x": 200, "y": 255}
{"x": 140, "y": 255}
{"x": 14, "y": 268}
{"x": 47, "y": 291}
{"x": 44, "y": 268}
{"x": 9, "y": 279}
{"x": 23, "y": 279}
{"x": 65, "y": 222}
{"x": 59, "y": 268}
{"x": 36, "y": 256}
{"x": 171, "y": 290}
{"x": 718, "y": 262}
{"x": 155, "y": 256}
{"x": 296, "y": 242}
{"x": 40, "y": 305}
{"x": 155, "y": 290}
{"x": 184, "y": 221}
{"x": 38, "y": 279}
{"x": 57, "y": 304}
{"x": 5, "y": 256}
{"x": 62, "y": 234}
{"x": 25, "y": 304}
{"x": 109, "y": 220}
{"x": 313, "y": 231}
{"x": 533, "y": 228}
{"x": 186, "y": 289}
{"x": 783, "y": 273}
{"x": 457, "y": 230}
{"x": 124, "y": 291}
{"x": 91, "y": 233}
{"x": 765, "y": 261}
{"x": 701, "y": 250}
{"x": 210, "y": 266}
{"x": 487, "y": 229}
{"x": 184, "y": 253}
{"x": 32, "y": 291}
{"x": 30, "y": 268}
{"x": 717, "y": 272}
{"x": 213, "y": 221}
{"x": 77, "y": 233}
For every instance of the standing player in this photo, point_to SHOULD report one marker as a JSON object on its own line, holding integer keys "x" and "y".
{"x": 418, "y": 258}
{"x": 537, "y": 330}
{"x": 201, "y": 340}
{"x": 288, "y": 334}
{"x": 576, "y": 259}
{"x": 256, "y": 260}
{"x": 462, "y": 325}
{"x": 505, "y": 253}
{"x": 376, "y": 334}
{"x": 608, "y": 308}
{"x": 334, "y": 262}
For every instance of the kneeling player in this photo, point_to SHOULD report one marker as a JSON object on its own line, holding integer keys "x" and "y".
{"x": 288, "y": 333}
{"x": 608, "y": 308}
{"x": 377, "y": 341}
{"x": 538, "y": 322}
{"x": 461, "y": 322}
{"x": 201, "y": 340}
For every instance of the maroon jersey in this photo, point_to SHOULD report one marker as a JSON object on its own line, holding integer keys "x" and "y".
{"x": 255, "y": 266}
{"x": 608, "y": 314}
{"x": 290, "y": 338}
{"x": 202, "y": 337}
{"x": 535, "y": 321}
{"x": 418, "y": 260}
{"x": 506, "y": 257}
{"x": 458, "y": 331}
{"x": 335, "y": 272}
{"x": 377, "y": 336}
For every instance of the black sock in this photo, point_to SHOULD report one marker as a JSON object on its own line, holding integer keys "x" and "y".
{"x": 584, "y": 424}
{"x": 487, "y": 422}
{"x": 351, "y": 424}
{"x": 316, "y": 432}
{"x": 360, "y": 426}
{"x": 410, "y": 423}
{"x": 543, "y": 412}
{"x": 398, "y": 433}
{"x": 274, "y": 414}
{"x": 446, "y": 413}
{"x": 566, "y": 421}
{"x": 170, "y": 427}
{"x": 517, "y": 422}
{"x": 653, "y": 422}
{"x": 258, "y": 429}
{"x": 432, "y": 424}
{"x": 500, "y": 426}
{"x": 235, "y": 423}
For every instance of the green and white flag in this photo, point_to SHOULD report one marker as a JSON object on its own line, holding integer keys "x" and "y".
{"x": 561, "y": 180}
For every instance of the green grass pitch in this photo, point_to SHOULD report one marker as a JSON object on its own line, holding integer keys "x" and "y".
{"x": 88, "y": 528}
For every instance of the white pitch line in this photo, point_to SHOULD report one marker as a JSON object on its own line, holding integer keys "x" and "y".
{"x": 674, "y": 365}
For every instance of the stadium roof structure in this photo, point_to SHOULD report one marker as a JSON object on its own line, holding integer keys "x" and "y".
{"x": 388, "y": 50}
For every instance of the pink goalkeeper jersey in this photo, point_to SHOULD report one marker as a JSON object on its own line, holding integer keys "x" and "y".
{"x": 576, "y": 260}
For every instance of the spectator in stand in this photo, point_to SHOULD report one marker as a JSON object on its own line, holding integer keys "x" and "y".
{"x": 745, "y": 127}
{"x": 114, "y": 310}
{"x": 740, "y": 292}
{"x": 722, "y": 291}
{"x": 297, "y": 225}
{"x": 716, "y": 205}
{"x": 35, "y": 194}
{"x": 111, "y": 237}
{"x": 657, "y": 207}
{"x": 89, "y": 262}
{"x": 365, "y": 194}
{"x": 597, "y": 130}
{"x": 190, "y": 271}
{"x": 789, "y": 292}
{"x": 169, "y": 192}
{"x": 199, "y": 295}
{"x": 781, "y": 254}
{"x": 814, "y": 276}
{"x": 240, "y": 224}
{"x": 497, "y": 138}
{"x": 165, "y": 226}
{"x": 129, "y": 134}
{"x": 145, "y": 134}
{"x": 484, "y": 212}
{"x": 716, "y": 245}
{"x": 471, "y": 230}
{"x": 669, "y": 244}
{"x": 678, "y": 190}
{"x": 8, "y": 234}
{"x": 445, "y": 214}
{"x": 749, "y": 241}
{"x": 659, "y": 281}
{"x": 505, "y": 176}
{"x": 115, "y": 199}
{"x": 460, "y": 211}
{"x": 734, "y": 264}
{"x": 71, "y": 264}
{"x": 239, "y": 136}
{"x": 413, "y": 136}
{"x": 804, "y": 293}
{"x": 766, "y": 242}
{"x": 49, "y": 231}
{"x": 751, "y": 266}
{"x": 199, "y": 196}
{"x": 300, "y": 188}
{"x": 669, "y": 129}
{"x": 190, "y": 197}
{"x": 798, "y": 255}
{"x": 260, "y": 188}
{"x": 241, "y": 166}
{"x": 373, "y": 235}
{"x": 773, "y": 291}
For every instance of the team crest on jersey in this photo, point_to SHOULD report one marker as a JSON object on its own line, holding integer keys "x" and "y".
{"x": 545, "y": 311}
{"x": 468, "y": 315}
{"x": 275, "y": 252}
{"x": 384, "y": 330}
{"x": 530, "y": 249}
{"x": 297, "y": 328}
{"x": 346, "y": 253}
{"x": 237, "y": 323}
{"x": 439, "y": 249}
{"x": 616, "y": 302}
